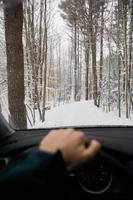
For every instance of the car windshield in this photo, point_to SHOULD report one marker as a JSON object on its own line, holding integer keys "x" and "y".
{"x": 66, "y": 63}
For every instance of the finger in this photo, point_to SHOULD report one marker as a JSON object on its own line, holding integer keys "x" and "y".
{"x": 82, "y": 137}
{"x": 70, "y": 130}
{"x": 92, "y": 150}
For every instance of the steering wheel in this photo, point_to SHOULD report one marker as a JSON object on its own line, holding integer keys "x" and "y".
{"x": 120, "y": 171}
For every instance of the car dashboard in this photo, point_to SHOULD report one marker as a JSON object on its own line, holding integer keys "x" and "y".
{"x": 94, "y": 180}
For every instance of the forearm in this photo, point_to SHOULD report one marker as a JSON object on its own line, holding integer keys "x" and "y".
{"x": 36, "y": 173}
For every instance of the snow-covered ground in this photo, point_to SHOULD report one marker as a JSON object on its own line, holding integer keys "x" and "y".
{"x": 80, "y": 114}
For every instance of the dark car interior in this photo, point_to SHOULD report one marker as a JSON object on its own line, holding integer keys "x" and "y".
{"x": 109, "y": 175}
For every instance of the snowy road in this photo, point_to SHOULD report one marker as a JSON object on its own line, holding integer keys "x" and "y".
{"x": 80, "y": 114}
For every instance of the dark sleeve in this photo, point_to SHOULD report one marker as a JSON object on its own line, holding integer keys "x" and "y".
{"x": 37, "y": 173}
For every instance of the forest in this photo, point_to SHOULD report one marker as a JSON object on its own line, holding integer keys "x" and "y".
{"x": 54, "y": 52}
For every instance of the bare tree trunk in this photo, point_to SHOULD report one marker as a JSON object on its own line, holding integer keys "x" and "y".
{"x": 45, "y": 61}
{"x": 109, "y": 77}
{"x": 93, "y": 31}
{"x": 126, "y": 59}
{"x": 87, "y": 58}
{"x": 101, "y": 55}
{"x": 130, "y": 53}
{"x": 70, "y": 71}
{"x": 59, "y": 71}
{"x": 15, "y": 65}
{"x": 78, "y": 66}
{"x": 94, "y": 70}
{"x": 119, "y": 61}
{"x": 75, "y": 59}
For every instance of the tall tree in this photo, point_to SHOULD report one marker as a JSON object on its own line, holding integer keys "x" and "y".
{"x": 101, "y": 53}
{"x": 45, "y": 51}
{"x": 130, "y": 54}
{"x": 125, "y": 24}
{"x": 15, "y": 64}
{"x": 119, "y": 59}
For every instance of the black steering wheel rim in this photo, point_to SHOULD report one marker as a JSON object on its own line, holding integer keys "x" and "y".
{"x": 120, "y": 171}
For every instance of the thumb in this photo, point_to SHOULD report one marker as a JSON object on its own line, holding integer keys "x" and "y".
{"x": 93, "y": 148}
